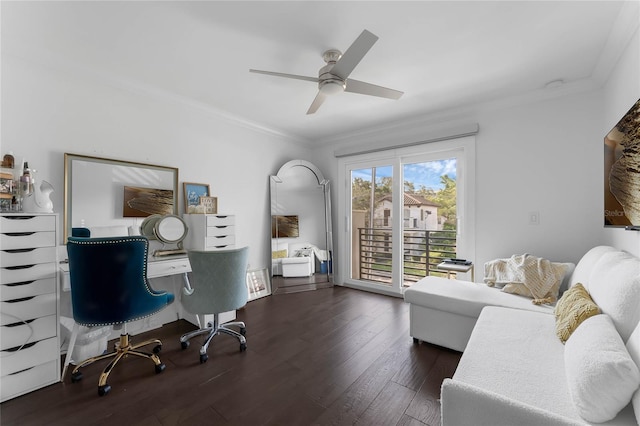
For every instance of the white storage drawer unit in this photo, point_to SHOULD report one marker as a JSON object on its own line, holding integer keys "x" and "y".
{"x": 210, "y": 231}
{"x": 29, "y": 312}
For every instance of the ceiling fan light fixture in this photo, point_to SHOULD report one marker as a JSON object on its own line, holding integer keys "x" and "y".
{"x": 332, "y": 86}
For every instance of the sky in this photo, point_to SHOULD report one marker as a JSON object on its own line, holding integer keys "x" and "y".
{"x": 421, "y": 174}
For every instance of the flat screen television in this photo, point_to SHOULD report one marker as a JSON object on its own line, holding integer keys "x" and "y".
{"x": 622, "y": 171}
{"x": 284, "y": 226}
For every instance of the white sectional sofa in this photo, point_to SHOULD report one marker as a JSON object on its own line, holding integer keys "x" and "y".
{"x": 515, "y": 370}
{"x": 293, "y": 259}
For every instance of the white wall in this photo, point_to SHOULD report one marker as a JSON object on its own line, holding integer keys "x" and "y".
{"x": 49, "y": 110}
{"x": 620, "y": 93}
{"x": 543, "y": 157}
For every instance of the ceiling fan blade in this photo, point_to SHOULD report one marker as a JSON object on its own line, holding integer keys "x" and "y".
{"x": 354, "y": 54}
{"x": 356, "y": 86}
{"x": 280, "y": 74}
{"x": 320, "y": 97}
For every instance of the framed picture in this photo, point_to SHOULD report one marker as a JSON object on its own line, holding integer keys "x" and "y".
{"x": 192, "y": 194}
{"x": 258, "y": 283}
{"x": 621, "y": 174}
{"x": 143, "y": 202}
{"x": 209, "y": 204}
{"x": 284, "y": 226}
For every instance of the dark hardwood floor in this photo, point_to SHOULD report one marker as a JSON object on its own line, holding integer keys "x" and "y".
{"x": 334, "y": 356}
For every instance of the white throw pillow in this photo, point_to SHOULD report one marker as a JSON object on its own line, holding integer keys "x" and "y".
{"x": 601, "y": 375}
{"x": 633, "y": 346}
{"x": 615, "y": 287}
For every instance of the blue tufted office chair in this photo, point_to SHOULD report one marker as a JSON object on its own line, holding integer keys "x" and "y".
{"x": 219, "y": 285}
{"x": 109, "y": 286}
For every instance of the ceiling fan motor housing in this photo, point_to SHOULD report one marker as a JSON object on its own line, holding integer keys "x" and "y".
{"x": 330, "y": 83}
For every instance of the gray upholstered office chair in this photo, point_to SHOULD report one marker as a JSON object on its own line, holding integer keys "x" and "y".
{"x": 218, "y": 284}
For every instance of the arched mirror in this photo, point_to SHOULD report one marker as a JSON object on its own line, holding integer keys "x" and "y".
{"x": 301, "y": 238}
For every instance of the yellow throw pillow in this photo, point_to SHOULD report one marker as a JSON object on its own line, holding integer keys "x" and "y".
{"x": 279, "y": 254}
{"x": 572, "y": 309}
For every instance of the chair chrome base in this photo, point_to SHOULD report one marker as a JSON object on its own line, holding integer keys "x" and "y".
{"x": 214, "y": 328}
{"x": 122, "y": 348}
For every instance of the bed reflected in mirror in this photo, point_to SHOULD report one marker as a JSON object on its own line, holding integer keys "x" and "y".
{"x": 301, "y": 250}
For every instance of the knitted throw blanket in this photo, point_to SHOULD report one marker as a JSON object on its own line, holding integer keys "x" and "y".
{"x": 526, "y": 275}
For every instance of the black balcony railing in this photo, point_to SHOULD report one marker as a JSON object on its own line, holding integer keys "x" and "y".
{"x": 422, "y": 251}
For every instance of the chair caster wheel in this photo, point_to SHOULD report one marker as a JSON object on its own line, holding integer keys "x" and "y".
{"x": 243, "y": 331}
{"x": 184, "y": 345}
{"x": 160, "y": 368}
{"x": 103, "y": 390}
{"x": 243, "y": 347}
{"x": 157, "y": 349}
{"x": 76, "y": 377}
{"x": 203, "y": 358}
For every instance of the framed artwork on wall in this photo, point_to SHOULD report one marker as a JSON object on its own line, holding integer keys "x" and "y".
{"x": 143, "y": 202}
{"x": 192, "y": 193}
{"x": 622, "y": 172}
{"x": 285, "y": 226}
{"x": 258, "y": 283}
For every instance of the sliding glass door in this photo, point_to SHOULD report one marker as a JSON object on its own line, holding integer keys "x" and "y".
{"x": 405, "y": 211}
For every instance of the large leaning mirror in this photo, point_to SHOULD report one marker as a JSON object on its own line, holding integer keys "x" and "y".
{"x": 114, "y": 197}
{"x": 301, "y": 237}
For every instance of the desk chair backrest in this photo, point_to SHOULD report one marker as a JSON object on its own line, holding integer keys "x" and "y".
{"x": 219, "y": 281}
{"x": 109, "y": 280}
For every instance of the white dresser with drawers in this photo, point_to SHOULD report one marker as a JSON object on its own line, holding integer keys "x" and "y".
{"x": 29, "y": 304}
{"x": 210, "y": 231}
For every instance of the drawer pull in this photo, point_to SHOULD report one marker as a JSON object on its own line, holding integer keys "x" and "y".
{"x": 18, "y": 348}
{"x": 21, "y": 371}
{"x": 24, "y": 299}
{"x": 18, "y": 324}
{"x": 222, "y": 217}
{"x": 221, "y": 226}
{"x": 24, "y": 250}
{"x": 19, "y": 217}
{"x": 220, "y": 246}
{"x": 18, "y": 234}
{"x": 20, "y": 283}
{"x": 14, "y": 268}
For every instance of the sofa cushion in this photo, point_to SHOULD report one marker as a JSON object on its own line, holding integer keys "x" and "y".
{"x": 600, "y": 373}
{"x": 582, "y": 271}
{"x": 615, "y": 287}
{"x": 572, "y": 309}
{"x": 516, "y": 354}
{"x": 633, "y": 346}
{"x": 465, "y": 297}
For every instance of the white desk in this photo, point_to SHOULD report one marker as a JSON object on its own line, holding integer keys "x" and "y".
{"x": 163, "y": 266}
{"x": 159, "y": 267}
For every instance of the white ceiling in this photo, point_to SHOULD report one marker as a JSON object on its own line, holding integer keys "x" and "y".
{"x": 444, "y": 55}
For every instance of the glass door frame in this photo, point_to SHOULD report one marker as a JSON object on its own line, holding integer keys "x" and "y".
{"x": 464, "y": 151}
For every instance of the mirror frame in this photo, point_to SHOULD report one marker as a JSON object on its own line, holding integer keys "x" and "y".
{"x": 137, "y": 168}
{"x": 278, "y": 178}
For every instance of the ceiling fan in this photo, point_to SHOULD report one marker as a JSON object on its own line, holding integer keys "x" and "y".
{"x": 333, "y": 77}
